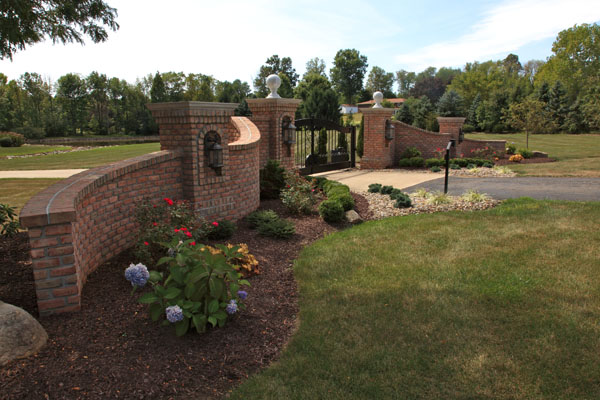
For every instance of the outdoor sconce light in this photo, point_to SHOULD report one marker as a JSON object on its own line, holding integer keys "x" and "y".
{"x": 213, "y": 150}
{"x": 461, "y": 135}
{"x": 389, "y": 130}
{"x": 288, "y": 132}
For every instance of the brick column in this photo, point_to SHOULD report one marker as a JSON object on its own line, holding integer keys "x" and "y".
{"x": 57, "y": 285}
{"x": 453, "y": 126}
{"x": 268, "y": 115}
{"x": 183, "y": 127}
{"x": 378, "y": 151}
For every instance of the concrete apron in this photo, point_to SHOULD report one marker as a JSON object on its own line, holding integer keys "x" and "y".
{"x": 359, "y": 180}
{"x": 48, "y": 173}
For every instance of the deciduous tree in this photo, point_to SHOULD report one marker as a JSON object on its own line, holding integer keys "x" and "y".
{"x": 348, "y": 72}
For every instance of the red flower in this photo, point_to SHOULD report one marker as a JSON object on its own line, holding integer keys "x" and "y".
{"x": 176, "y": 230}
{"x": 192, "y": 243}
{"x": 146, "y": 243}
{"x": 183, "y": 229}
{"x": 188, "y": 234}
{"x": 168, "y": 200}
{"x": 438, "y": 149}
{"x": 215, "y": 224}
{"x": 154, "y": 223}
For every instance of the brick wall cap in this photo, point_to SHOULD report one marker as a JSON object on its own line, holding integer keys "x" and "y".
{"x": 452, "y": 119}
{"x": 273, "y": 101}
{"x": 484, "y": 141}
{"x": 382, "y": 111}
{"x": 249, "y": 133}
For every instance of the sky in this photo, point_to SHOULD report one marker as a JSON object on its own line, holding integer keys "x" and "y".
{"x": 231, "y": 39}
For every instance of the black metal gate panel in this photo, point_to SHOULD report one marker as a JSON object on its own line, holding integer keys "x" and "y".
{"x": 320, "y": 146}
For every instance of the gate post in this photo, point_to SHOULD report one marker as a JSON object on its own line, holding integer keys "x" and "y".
{"x": 268, "y": 115}
{"x": 378, "y": 152}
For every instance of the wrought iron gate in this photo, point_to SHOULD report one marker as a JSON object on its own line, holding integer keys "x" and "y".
{"x": 320, "y": 146}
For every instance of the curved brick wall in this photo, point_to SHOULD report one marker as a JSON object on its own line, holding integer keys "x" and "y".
{"x": 79, "y": 223}
{"x": 427, "y": 142}
{"x": 76, "y": 225}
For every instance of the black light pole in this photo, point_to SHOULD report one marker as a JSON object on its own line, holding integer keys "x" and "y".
{"x": 451, "y": 144}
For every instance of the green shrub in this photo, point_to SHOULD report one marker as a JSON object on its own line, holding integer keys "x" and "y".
{"x": 11, "y": 139}
{"x": 9, "y": 225}
{"x": 511, "y": 149}
{"x": 330, "y": 185}
{"x": 434, "y": 162}
{"x": 435, "y": 169}
{"x": 471, "y": 166}
{"x": 279, "y": 229}
{"x": 298, "y": 196}
{"x": 338, "y": 190}
{"x": 258, "y": 218}
{"x": 317, "y": 181}
{"x": 221, "y": 230}
{"x": 345, "y": 199}
{"x": 387, "y": 189}
{"x": 525, "y": 153}
{"x": 394, "y": 194}
{"x": 331, "y": 211}
{"x": 199, "y": 287}
{"x": 31, "y": 132}
{"x": 272, "y": 180}
{"x": 403, "y": 201}
{"x": 411, "y": 152}
{"x": 488, "y": 165}
{"x": 454, "y": 166}
{"x": 413, "y": 162}
{"x": 374, "y": 188}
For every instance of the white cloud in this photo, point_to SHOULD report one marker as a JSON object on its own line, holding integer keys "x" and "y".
{"x": 505, "y": 28}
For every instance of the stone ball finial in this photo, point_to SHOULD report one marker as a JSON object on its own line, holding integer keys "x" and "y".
{"x": 273, "y": 82}
{"x": 378, "y": 97}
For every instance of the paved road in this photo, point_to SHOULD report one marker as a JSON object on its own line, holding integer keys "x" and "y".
{"x": 579, "y": 189}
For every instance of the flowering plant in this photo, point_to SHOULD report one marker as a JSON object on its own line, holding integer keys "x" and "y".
{"x": 486, "y": 153}
{"x": 516, "y": 158}
{"x": 439, "y": 153}
{"x": 162, "y": 222}
{"x": 200, "y": 288}
{"x": 298, "y": 195}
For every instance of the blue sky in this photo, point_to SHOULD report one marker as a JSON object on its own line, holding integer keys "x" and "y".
{"x": 231, "y": 39}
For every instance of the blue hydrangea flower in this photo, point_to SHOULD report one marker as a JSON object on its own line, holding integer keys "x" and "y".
{"x": 232, "y": 307}
{"x": 242, "y": 294}
{"x": 174, "y": 314}
{"x": 137, "y": 274}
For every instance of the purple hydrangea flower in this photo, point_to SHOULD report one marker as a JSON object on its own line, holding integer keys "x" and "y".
{"x": 242, "y": 294}
{"x": 137, "y": 274}
{"x": 174, "y": 314}
{"x": 232, "y": 307}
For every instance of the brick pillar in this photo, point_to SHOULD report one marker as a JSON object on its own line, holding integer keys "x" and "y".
{"x": 453, "y": 126}
{"x": 268, "y": 115}
{"x": 378, "y": 151}
{"x": 183, "y": 127}
{"x": 57, "y": 285}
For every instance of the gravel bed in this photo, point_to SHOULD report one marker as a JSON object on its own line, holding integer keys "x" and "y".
{"x": 381, "y": 206}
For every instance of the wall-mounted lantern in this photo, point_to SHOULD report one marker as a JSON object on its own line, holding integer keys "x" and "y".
{"x": 213, "y": 150}
{"x": 461, "y": 135}
{"x": 389, "y": 130}
{"x": 288, "y": 131}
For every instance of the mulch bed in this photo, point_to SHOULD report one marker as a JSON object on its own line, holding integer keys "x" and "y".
{"x": 111, "y": 349}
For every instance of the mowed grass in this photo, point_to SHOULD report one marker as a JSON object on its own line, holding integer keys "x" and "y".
{"x": 501, "y": 304}
{"x": 79, "y": 159}
{"x": 16, "y": 192}
{"x": 30, "y": 149}
{"x": 577, "y": 155}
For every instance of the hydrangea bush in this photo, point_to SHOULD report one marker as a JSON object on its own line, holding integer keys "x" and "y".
{"x": 201, "y": 286}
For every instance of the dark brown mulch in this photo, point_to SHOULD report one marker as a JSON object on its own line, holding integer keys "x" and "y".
{"x": 504, "y": 161}
{"x": 111, "y": 349}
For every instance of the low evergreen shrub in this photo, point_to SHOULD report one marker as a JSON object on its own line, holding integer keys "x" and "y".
{"x": 279, "y": 229}
{"x": 434, "y": 162}
{"x": 403, "y": 201}
{"x": 272, "y": 180}
{"x": 525, "y": 153}
{"x": 411, "y": 152}
{"x": 261, "y": 217}
{"x": 345, "y": 199}
{"x": 331, "y": 211}
{"x": 374, "y": 188}
{"x": 435, "y": 169}
{"x": 413, "y": 162}
{"x": 387, "y": 189}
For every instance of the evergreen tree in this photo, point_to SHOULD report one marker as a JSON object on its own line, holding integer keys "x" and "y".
{"x": 158, "y": 92}
{"x": 558, "y": 104}
{"x": 404, "y": 115}
{"x": 472, "y": 113}
{"x": 322, "y": 142}
{"x": 450, "y": 105}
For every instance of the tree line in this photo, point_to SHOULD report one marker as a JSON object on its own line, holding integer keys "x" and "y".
{"x": 561, "y": 94}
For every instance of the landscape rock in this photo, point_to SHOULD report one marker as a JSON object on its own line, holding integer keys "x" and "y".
{"x": 21, "y": 335}
{"x": 539, "y": 154}
{"x": 353, "y": 217}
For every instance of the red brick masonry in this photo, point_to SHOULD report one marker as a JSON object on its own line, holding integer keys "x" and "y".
{"x": 79, "y": 223}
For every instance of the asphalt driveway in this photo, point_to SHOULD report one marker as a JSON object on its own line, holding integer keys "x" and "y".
{"x": 577, "y": 189}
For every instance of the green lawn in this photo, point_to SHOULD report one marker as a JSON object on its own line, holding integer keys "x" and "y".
{"x": 79, "y": 159}
{"x": 16, "y": 192}
{"x": 577, "y": 155}
{"x": 29, "y": 149}
{"x": 501, "y": 304}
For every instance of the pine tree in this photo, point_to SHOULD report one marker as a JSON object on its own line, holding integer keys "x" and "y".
{"x": 404, "y": 115}
{"x": 322, "y": 142}
{"x": 558, "y": 104}
{"x": 158, "y": 92}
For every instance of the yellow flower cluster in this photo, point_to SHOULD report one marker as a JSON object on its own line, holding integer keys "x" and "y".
{"x": 247, "y": 265}
{"x": 516, "y": 158}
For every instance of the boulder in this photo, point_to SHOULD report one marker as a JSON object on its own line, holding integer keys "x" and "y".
{"x": 353, "y": 217}
{"x": 539, "y": 154}
{"x": 21, "y": 335}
